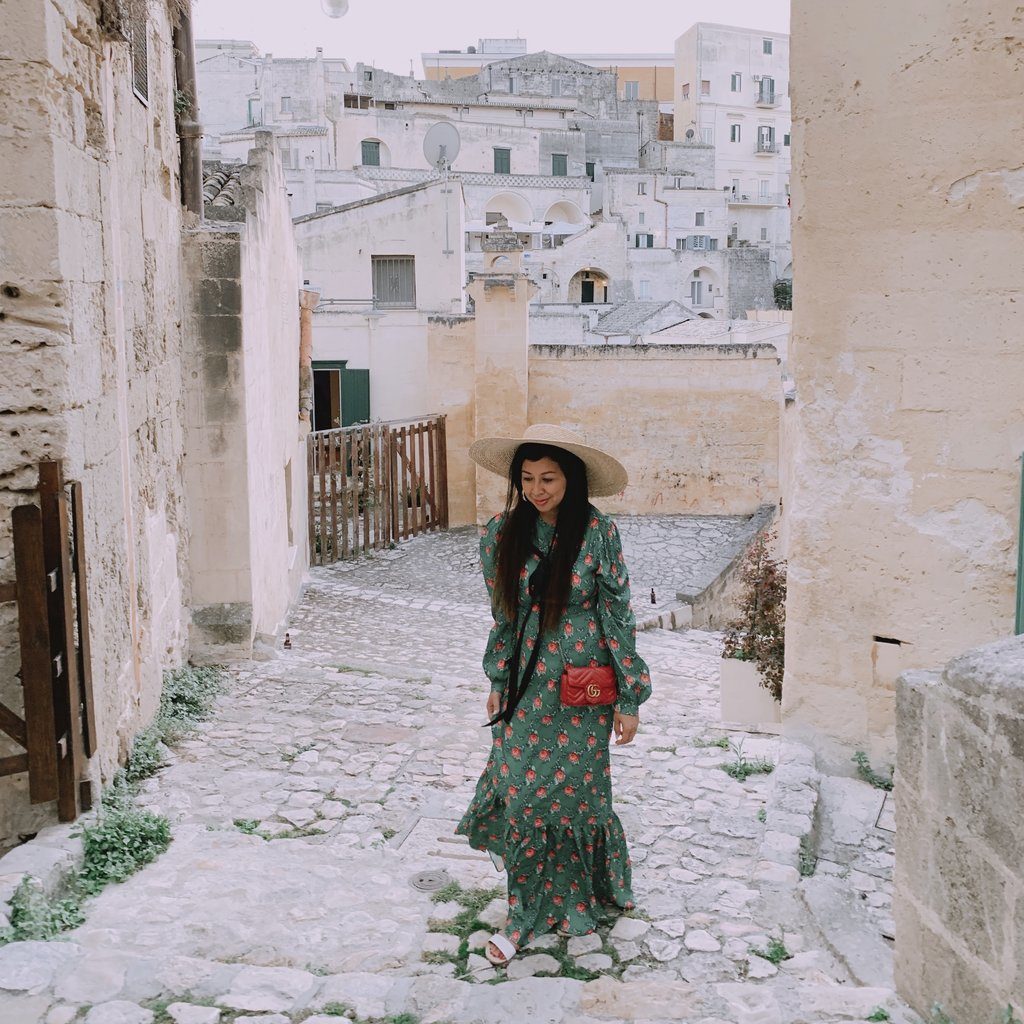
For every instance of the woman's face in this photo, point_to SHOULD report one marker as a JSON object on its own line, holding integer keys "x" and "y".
{"x": 543, "y": 484}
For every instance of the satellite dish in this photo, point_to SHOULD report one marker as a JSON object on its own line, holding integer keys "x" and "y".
{"x": 334, "y": 8}
{"x": 441, "y": 145}
{"x": 689, "y": 133}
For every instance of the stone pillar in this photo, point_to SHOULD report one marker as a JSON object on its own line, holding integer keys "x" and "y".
{"x": 501, "y": 294}
{"x": 308, "y": 301}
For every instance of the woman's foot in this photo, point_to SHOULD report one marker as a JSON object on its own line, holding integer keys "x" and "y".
{"x": 499, "y": 950}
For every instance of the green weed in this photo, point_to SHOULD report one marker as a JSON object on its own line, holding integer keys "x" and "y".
{"x": 869, "y": 775}
{"x": 741, "y": 767}
{"x": 775, "y": 952}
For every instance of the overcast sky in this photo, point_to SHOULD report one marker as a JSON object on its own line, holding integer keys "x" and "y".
{"x": 390, "y": 34}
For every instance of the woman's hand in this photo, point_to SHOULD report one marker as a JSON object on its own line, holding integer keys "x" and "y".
{"x": 625, "y": 727}
{"x": 493, "y": 704}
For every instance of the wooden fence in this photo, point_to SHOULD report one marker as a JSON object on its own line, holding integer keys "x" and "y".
{"x": 372, "y": 486}
{"x": 57, "y": 729}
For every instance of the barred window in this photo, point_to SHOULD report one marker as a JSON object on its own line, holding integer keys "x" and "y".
{"x": 138, "y": 47}
{"x": 394, "y": 282}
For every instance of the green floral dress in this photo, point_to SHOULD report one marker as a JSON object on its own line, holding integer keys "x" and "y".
{"x": 544, "y": 801}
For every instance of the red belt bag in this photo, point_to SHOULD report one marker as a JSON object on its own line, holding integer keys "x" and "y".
{"x": 583, "y": 685}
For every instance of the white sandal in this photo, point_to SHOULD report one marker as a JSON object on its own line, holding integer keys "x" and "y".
{"x": 499, "y": 864}
{"x": 504, "y": 947}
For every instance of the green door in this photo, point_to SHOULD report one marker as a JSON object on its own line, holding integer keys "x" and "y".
{"x": 355, "y": 397}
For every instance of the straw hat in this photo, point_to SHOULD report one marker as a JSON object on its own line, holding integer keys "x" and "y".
{"x": 605, "y": 474}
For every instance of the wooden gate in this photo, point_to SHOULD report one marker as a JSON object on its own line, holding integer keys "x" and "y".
{"x": 372, "y": 486}
{"x": 58, "y": 728}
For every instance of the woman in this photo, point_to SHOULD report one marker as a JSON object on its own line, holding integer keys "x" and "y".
{"x": 560, "y": 597}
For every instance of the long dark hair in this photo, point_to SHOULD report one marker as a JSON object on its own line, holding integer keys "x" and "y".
{"x": 520, "y": 521}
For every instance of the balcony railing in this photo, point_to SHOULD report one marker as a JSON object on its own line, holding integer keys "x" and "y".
{"x": 767, "y": 98}
{"x": 753, "y": 199}
{"x": 767, "y": 146}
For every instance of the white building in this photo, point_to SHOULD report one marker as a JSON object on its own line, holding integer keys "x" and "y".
{"x": 732, "y": 92}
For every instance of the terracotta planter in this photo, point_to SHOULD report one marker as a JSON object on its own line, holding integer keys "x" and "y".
{"x": 743, "y": 699}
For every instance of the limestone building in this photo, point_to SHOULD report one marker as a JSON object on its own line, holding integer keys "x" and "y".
{"x": 639, "y": 76}
{"x": 732, "y": 92}
{"x": 154, "y": 355}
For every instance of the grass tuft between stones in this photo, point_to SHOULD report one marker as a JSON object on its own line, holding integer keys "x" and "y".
{"x": 868, "y": 774}
{"x": 775, "y": 952}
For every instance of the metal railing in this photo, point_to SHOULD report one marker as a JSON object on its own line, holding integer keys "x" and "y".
{"x": 764, "y": 146}
{"x": 752, "y": 199}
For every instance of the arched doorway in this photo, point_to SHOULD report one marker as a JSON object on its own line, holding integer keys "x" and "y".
{"x": 513, "y": 207}
{"x": 702, "y": 287}
{"x": 588, "y": 285}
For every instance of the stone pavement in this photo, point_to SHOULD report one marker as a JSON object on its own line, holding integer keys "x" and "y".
{"x": 312, "y": 815}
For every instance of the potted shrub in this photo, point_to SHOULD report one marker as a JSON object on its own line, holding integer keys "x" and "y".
{"x": 753, "y": 655}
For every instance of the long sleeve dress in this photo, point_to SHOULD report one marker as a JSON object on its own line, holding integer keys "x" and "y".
{"x": 544, "y": 801}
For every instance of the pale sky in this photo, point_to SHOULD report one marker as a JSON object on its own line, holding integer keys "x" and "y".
{"x": 390, "y": 33}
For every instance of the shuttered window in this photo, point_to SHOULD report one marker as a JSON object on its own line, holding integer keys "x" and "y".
{"x": 559, "y": 163}
{"x": 138, "y": 47}
{"x": 394, "y": 282}
{"x": 502, "y": 161}
{"x": 371, "y": 153}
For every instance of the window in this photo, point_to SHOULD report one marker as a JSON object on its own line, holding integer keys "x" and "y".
{"x": 645, "y": 290}
{"x": 323, "y": 207}
{"x": 644, "y": 242}
{"x": 511, "y": 84}
{"x": 556, "y": 87}
{"x": 734, "y": 232}
{"x": 735, "y": 186}
{"x": 368, "y": 76}
{"x": 698, "y": 241}
{"x": 713, "y": 244}
{"x": 766, "y": 90}
{"x": 734, "y": 133}
{"x": 502, "y": 161}
{"x": 371, "y": 153}
{"x": 698, "y": 219}
{"x": 253, "y": 108}
{"x": 559, "y": 164}
{"x": 736, "y": 84}
{"x": 641, "y": 188}
{"x": 643, "y": 218}
{"x": 138, "y": 48}
{"x": 764, "y": 234}
{"x": 286, "y": 104}
{"x": 762, "y": 188}
{"x": 707, "y": 136}
{"x": 766, "y": 46}
{"x": 590, "y": 171}
{"x": 677, "y": 182}
{"x": 686, "y": 91}
{"x": 632, "y": 91}
{"x": 680, "y": 243}
{"x": 785, "y": 139}
{"x": 705, "y": 87}
{"x": 394, "y": 282}
{"x": 765, "y": 139}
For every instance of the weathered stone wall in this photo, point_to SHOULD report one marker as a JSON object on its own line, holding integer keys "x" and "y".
{"x": 697, "y": 426}
{"x": 246, "y": 456}
{"x": 750, "y": 280}
{"x": 959, "y": 898}
{"x": 451, "y": 384}
{"x": 90, "y": 343}
{"x": 904, "y": 504}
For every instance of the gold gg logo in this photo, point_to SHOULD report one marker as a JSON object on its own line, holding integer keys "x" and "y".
{"x": 593, "y": 690}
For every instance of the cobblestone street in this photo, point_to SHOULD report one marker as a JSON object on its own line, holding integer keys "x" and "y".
{"x": 313, "y": 816}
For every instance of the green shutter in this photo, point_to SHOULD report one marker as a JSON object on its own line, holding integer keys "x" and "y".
{"x": 355, "y": 397}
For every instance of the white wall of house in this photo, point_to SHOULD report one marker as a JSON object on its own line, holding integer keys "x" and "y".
{"x": 719, "y": 102}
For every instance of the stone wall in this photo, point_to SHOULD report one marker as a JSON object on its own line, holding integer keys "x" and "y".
{"x": 90, "y": 341}
{"x": 697, "y": 426}
{"x": 751, "y": 279}
{"x": 903, "y": 511}
{"x": 245, "y": 463}
{"x": 959, "y": 898}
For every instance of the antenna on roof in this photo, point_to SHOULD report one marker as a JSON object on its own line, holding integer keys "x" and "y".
{"x": 441, "y": 147}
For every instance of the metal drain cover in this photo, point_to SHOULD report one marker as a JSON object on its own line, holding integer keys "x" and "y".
{"x": 430, "y": 881}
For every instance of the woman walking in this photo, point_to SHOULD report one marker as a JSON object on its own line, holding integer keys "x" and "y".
{"x": 564, "y": 672}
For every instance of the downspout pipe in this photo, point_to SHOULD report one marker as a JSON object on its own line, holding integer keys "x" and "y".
{"x": 190, "y": 131}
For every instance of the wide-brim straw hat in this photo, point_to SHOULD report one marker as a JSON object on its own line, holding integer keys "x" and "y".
{"x": 605, "y": 474}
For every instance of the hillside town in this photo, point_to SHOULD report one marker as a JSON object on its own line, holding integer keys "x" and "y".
{"x": 323, "y": 379}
